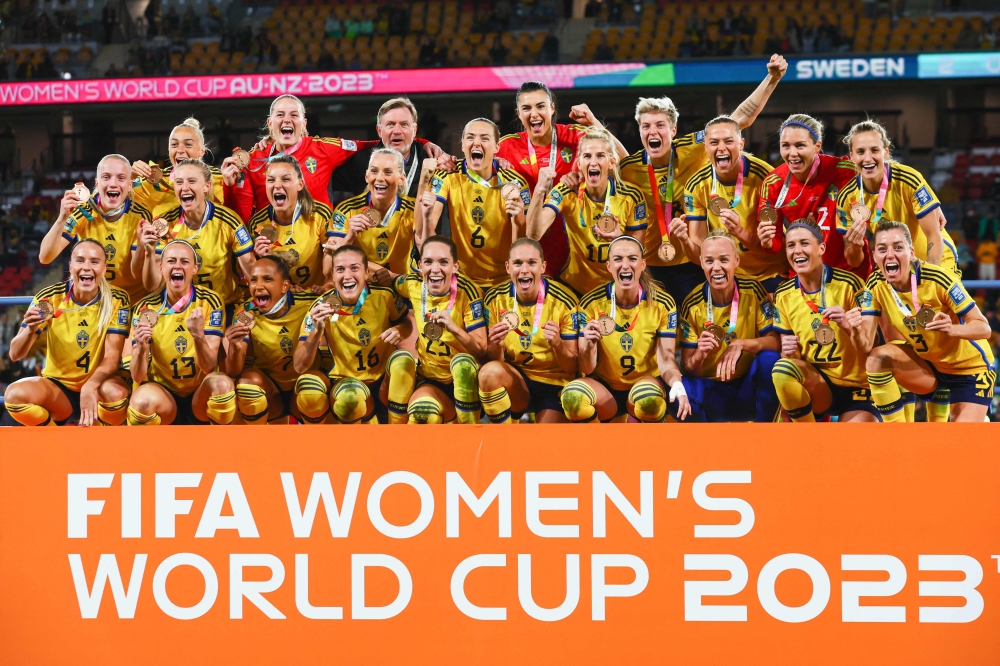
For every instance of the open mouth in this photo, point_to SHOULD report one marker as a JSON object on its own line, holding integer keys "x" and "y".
{"x": 795, "y": 163}
{"x": 655, "y": 142}
{"x": 280, "y": 198}
{"x": 723, "y": 160}
{"x": 380, "y": 188}
{"x": 112, "y": 196}
{"x": 477, "y": 155}
{"x": 525, "y": 281}
{"x": 891, "y": 268}
{"x": 262, "y": 298}
{"x": 86, "y": 279}
{"x": 187, "y": 198}
{"x": 626, "y": 276}
{"x": 593, "y": 172}
{"x": 176, "y": 277}
{"x": 287, "y": 132}
{"x": 800, "y": 262}
{"x": 349, "y": 284}
{"x": 435, "y": 283}
{"x": 869, "y": 169}
{"x": 718, "y": 278}
{"x": 536, "y": 125}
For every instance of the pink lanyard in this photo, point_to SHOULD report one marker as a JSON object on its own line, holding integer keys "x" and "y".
{"x": 539, "y": 304}
{"x": 453, "y": 289}
{"x": 734, "y": 308}
{"x": 738, "y": 192}
{"x": 882, "y": 190}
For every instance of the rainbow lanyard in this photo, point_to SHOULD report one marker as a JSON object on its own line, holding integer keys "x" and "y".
{"x": 553, "y": 150}
{"x": 582, "y": 192}
{"x": 737, "y": 193}
{"x": 788, "y": 181}
{"x": 475, "y": 177}
{"x": 734, "y": 308}
{"x": 453, "y": 293}
{"x": 181, "y": 223}
{"x": 614, "y": 310}
{"x": 913, "y": 295}
{"x": 539, "y": 304}
{"x": 357, "y": 306}
{"x": 177, "y": 307}
{"x": 69, "y": 292}
{"x": 272, "y": 155}
{"x": 817, "y": 309}
{"x": 882, "y": 190}
{"x": 664, "y": 210}
{"x": 111, "y": 216}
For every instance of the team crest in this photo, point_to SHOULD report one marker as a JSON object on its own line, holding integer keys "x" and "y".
{"x": 478, "y": 214}
{"x": 311, "y": 164}
{"x": 364, "y": 337}
{"x": 109, "y": 250}
{"x": 910, "y": 323}
{"x": 181, "y": 344}
{"x": 382, "y": 251}
{"x": 663, "y": 190}
{"x": 82, "y": 339}
{"x": 525, "y": 341}
{"x": 566, "y": 154}
{"x": 285, "y": 344}
{"x": 626, "y": 342}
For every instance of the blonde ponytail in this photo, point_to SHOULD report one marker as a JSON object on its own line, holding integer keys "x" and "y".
{"x": 107, "y": 307}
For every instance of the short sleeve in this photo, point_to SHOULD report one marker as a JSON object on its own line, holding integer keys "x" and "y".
{"x": 215, "y": 321}
{"x": 959, "y": 299}
{"x": 120, "y": 317}
{"x": 398, "y": 309}
{"x": 667, "y": 326}
{"x": 307, "y": 325}
{"x": 637, "y": 219}
{"x": 557, "y": 200}
{"x": 694, "y": 208}
{"x": 41, "y": 327}
{"x": 780, "y": 325}
{"x": 440, "y": 185}
{"x": 924, "y": 199}
{"x": 241, "y": 243}
{"x": 569, "y": 324}
{"x": 688, "y": 330}
{"x": 843, "y": 212}
{"x": 337, "y": 226}
{"x": 765, "y": 317}
{"x": 869, "y": 304}
{"x": 475, "y": 315}
{"x": 74, "y": 226}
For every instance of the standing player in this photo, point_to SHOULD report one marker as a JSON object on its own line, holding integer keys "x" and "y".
{"x": 821, "y": 370}
{"x": 293, "y": 225}
{"x": 154, "y": 188}
{"x": 626, "y": 346}
{"x": 84, "y": 322}
{"x": 261, "y": 342}
{"x": 661, "y": 171}
{"x": 486, "y": 213}
{"x": 213, "y": 231}
{"x": 379, "y": 221}
{"x": 530, "y": 361}
{"x": 175, "y": 350}
{"x": 888, "y": 190}
{"x": 110, "y": 217}
{"x": 451, "y": 323}
{"x": 724, "y": 196}
{"x": 727, "y": 346}
{"x": 600, "y": 210}
{"x": 948, "y": 336}
{"x": 364, "y": 325}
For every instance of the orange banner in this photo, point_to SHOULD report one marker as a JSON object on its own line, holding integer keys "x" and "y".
{"x": 763, "y": 544}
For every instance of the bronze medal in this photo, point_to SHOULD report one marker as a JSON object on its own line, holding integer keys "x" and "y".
{"x": 860, "y": 212}
{"x": 666, "y": 252}
{"x": 242, "y": 158}
{"x": 607, "y": 223}
{"x": 333, "y": 300}
{"x": 433, "y": 330}
{"x": 717, "y": 332}
{"x": 247, "y": 318}
{"x": 825, "y": 334}
{"x": 161, "y": 226}
{"x": 81, "y": 192}
{"x": 717, "y": 205}
{"x": 45, "y": 308}
{"x": 768, "y": 214}
{"x": 511, "y": 319}
{"x": 509, "y": 190}
{"x": 924, "y": 316}
{"x": 606, "y": 324}
{"x": 155, "y": 174}
{"x": 290, "y": 257}
{"x": 374, "y": 216}
{"x": 149, "y": 316}
{"x": 269, "y": 231}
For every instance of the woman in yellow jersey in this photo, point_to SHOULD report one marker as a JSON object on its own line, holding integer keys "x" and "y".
{"x": 214, "y": 231}
{"x": 727, "y": 346}
{"x": 485, "y": 213}
{"x": 365, "y": 326}
{"x": 379, "y": 221}
{"x": 821, "y": 370}
{"x": 725, "y": 195}
{"x": 887, "y": 190}
{"x": 626, "y": 347}
{"x": 111, "y": 217}
{"x": 451, "y": 323}
{"x": 602, "y": 209}
{"x": 293, "y": 225}
{"x": 261, "y": 344}
{"x": 153, "y": 186}
{"x": 948, "y": 336}
{"x": 84, "y": 321}
{"x": 532, "y": 341}
{"x": 176, "y": 335}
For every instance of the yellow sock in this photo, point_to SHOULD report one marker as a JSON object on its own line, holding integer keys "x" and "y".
{"x": 496, "y": 404}
{"x": 425, "y": 410}
{"x": 578, "y": 401}
{"x": 251, "y": 401}
{"x": 29, "y": 415}
{"x": 349, "y": 399}
{"x": 311, "y": 397}
{"x": 789, "y": 384}
{"x": 112, "y": 413}
{"x": 137, "y": 418}
{"x": 221, "y": 409}
{"x": 401, "y": 372}
{"x": 649, "y": 404}
{"x": 909, "y": 406}
{"x": 939, "y": 407}
{"x": 887, "y": 397}
{"x": 465, "y": 375}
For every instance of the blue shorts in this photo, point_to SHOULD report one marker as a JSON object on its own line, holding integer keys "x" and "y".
{"x": 621, "y": 397}
{"x": 185, "y": 412}
{"x": 977, "y": 388}
{"x": 74, "y": 402}
{"x": 748, "y": 398}
{"x": 541, "y": 396}
{"x": 848, "y": 399}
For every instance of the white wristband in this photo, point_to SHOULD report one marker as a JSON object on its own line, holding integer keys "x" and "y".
{"x": 677, "y": 390}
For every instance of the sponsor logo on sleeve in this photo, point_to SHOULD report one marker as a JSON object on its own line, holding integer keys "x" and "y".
{"x": 640, "y": 211}
{"x": 956, "y": 293}
{"x": 243, "y": 236}
{"x": 215, "y": 319}
{"x": 477, "y": 310}
{"x": 923, "y": 196}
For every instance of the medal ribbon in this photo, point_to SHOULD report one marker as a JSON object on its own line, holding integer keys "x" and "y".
{"x": 882, "y": 190}
{"x": 272, "y": 155}
{"x": 614, "y": 311}
{"x": 111, "y": 215}
{"x": 296, "y": 214}
{"x": 181, "y": 222}
{"x": 384, "y": 221}
{"x": 178, "y": 306}
{"x": 475, "y": 177}
{"x": 738, "y": 192}
{"x": 69, "y": 290}
{"x": 453, "y": 293}
{"x": 357, "y": 306}
{"x": 413, "y": 169}
{"x": 553, "y": 151}
{"x": 664, "y": 210}
{"x": 539, "y": 304}
{"x": 913, "y": 295}
{"x": 582, "y": 192}
{"x": 734, "y": 308}
{"x": 822, "y": 297}
{"x": 788, "y": 181}
{"x": 277, "y": 306}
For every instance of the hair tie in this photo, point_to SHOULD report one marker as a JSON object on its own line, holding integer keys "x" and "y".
{"x": 807, "y": 128}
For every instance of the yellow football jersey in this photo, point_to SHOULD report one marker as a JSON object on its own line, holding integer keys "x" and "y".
{"x": 272, "y": 341}
{"x": 302, "y": 240}
{"x": 434, "y": 356}
{"x": 754, "y": 320}
{"x": 160, "y": 198}
{"x": 354, "y": 338}
{"x": 118, "y": 236}
{"x": 588, "y": 255}
{"x": 629, "y": 354}
{"x": 221, "y": 238}
{"x": 942, "y": 291}
{"x": 755, "y": 262}
{"x": 391, "y": 245}
{"x": 908, "y": 199}
{"x": 480, "y": 226}
{"x": 689, "y": 156}
{"x": 173, "y": 363}
{"x": 532, "y": 354}
{"x": 840, "y": 361}
{"x": 74, "y": 347}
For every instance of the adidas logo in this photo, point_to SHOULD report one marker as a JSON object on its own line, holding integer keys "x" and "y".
{"x": 179, "y": 329}
{"x": 361, "y": 321}
{"x": 383, "y": 235}
{"x": 284, "y": 329}
{"x": 110, "y": 237}
{"x": 291, "y": 241}
{"x": 198, "y": 247}
{"x": 477, "y": 200}
{"x": 83, "y": 323}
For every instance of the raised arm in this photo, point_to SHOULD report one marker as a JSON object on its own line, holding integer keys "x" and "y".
{"x": 751, "y": 107}
{"x": 54, "y": 241}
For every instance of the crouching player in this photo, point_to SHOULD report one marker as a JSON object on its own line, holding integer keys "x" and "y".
{"x": 727, "y": 346}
